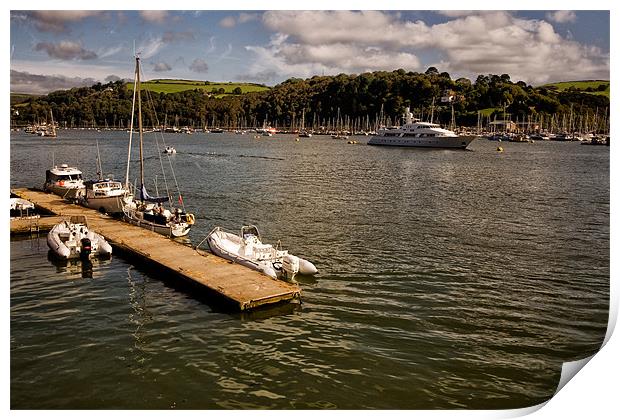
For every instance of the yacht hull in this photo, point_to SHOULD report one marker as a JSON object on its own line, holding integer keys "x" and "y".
{"x": 68, "y": 193}
{"x": 176, "y": 230}
{"x": 105, "y": 204}
{"x": 459, "y": 142}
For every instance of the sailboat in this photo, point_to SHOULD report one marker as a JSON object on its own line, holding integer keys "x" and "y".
{"x": 303, "y": 132}
{"x": 148, "y": 211}
{"x": 340, "y": 135}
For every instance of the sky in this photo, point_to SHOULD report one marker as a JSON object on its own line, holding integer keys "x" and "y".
{"x": 59, "y": 49}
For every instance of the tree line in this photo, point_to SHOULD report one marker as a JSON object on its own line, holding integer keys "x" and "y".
{"x": 372, "y": 97}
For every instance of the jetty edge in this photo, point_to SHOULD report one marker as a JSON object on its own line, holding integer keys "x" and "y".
{"x": 237, "y": 286}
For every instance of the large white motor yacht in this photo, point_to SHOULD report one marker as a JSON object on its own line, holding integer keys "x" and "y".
{"x": 415, "y": 133}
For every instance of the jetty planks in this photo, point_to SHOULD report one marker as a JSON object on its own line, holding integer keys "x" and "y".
{"x": 244, "y": 288}
{"x": 34, "y": 225}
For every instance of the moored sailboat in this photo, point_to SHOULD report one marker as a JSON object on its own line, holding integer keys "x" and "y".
{"x": 148, "y": 211}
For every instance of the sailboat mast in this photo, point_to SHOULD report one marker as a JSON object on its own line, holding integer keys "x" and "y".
{"x": 133, "y": 107}
{"x": 140, "y": 120}
{"x": 53, "y": 126}
{"x": 99, "y": 166}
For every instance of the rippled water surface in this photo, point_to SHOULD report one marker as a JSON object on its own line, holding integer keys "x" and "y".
{"x": 448, "y": 279}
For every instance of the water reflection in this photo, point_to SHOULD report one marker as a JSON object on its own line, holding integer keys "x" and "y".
{"x": 138, "y": 317}
{"x": 77, "y": 266}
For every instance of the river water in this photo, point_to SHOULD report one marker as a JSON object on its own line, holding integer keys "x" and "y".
{"x": 448, "y": 279}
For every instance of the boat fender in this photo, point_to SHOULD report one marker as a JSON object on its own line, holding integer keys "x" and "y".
{"x": 269, "y": 271}
{"x": 103, "y": 247}
{"x": 307, "y": 268}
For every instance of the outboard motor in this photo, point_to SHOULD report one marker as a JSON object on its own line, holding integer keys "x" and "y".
{"x": 85, "y": 249}
{"x": 290, "y": 266}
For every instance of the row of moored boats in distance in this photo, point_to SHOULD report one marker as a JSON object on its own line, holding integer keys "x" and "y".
{"x": 585, "y": 139}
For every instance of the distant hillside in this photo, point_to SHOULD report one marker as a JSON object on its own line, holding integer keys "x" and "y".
{"x": 363, "y": 100}
{"x": 593, "y": 87}
{"x": 18, "y": 98}
{"x": 216, "y": 88}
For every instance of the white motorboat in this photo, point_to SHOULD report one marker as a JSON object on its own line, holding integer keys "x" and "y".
{"x": 248, "y": 250}
{"x": 64, "y": 181}
{"x": 106, "y": 195}
{"x": 169, "y": 150}
{"x": 148, "y": 211}
{"x": 73, "y": 239}
{"x": 416, "y": 133}
{"x": 22, "y": 209}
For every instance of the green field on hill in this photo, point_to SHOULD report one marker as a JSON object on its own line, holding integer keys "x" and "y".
{"x": 20, "y": 98}
{"x": 176, "y": 85}
{"x": 586, "y": 86}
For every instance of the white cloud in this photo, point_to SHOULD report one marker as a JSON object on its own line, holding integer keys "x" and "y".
{"x": 24, "y": 82}
{"x": 149, "y": 47}
{"x": 161, "y": 66}
{"x": 172, "y": 36}
{"x": 56, "y": 20}
{"x": 211, "y": 45}
{"x": 199, "y": 66}
{"x": 109, "y": 51}
{"x": 457, "y": 13}
{"x": 66, "y": 50}
{"x": 247, "y": 17}
{"x": 231, "y": 21}
{"x": 228, "y": 22}
{"x": 562, "y": 16}
{"x": 308, "y": 42}
{"x": 370, "y": 27}
{"x": 155, "y": 16}
{"x": 73, "y": 71}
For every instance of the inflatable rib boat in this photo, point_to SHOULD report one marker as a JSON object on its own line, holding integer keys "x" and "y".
{"x": 72, "y": 239}
{"x": 248, "y": 250}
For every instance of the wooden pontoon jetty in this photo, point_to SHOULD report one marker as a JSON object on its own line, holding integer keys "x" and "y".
{"x": 237, "y": 285}
{"x": 35, "y": 225}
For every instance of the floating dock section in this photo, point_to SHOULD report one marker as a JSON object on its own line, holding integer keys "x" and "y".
{"x": 34, "y": 225}
{"x": 237, "y": 285}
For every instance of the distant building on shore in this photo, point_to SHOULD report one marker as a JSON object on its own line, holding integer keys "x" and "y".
{"x": 503, "y": 125}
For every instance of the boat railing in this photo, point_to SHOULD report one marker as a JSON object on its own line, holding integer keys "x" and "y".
{"x": 215, "y": 229}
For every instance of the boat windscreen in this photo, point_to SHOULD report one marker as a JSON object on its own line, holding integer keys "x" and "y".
{"x": 249, "y": 230}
